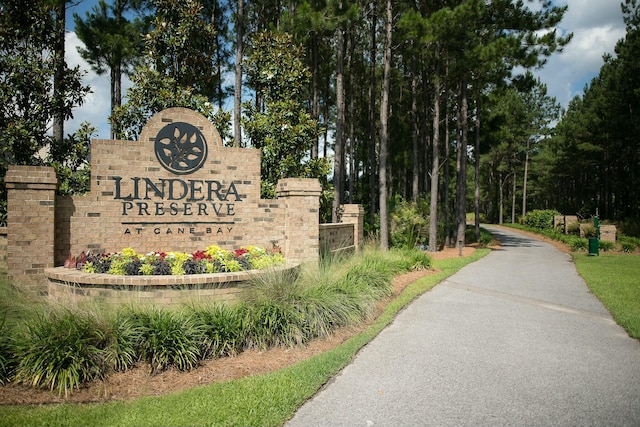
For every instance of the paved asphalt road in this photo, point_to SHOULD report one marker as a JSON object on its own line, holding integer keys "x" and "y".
{"x": 514, "y": 339}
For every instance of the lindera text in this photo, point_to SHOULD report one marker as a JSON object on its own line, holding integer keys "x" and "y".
{"x": 177, "y": 197}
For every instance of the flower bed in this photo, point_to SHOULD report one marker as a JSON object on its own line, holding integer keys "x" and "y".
{"x": 212, "y": 260}
{"x": 163, "y": 278}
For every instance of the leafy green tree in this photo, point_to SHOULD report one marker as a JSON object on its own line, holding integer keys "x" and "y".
{"x": 177, "y": 70}
{"x": 283, "y": 129}
{"x": 28, "y": 99}
{"x": 593, "y": 158}
{"x": 112, "y": 43}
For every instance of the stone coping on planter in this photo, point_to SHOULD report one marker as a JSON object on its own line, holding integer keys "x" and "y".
{"x": 82, "y": 279}
{"x": 71, "y": 287}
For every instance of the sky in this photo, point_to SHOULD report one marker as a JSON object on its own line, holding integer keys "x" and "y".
{"x": 596, "y": 26}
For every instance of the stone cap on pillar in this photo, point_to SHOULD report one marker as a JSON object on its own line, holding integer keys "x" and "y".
{"x": 289, "y": 187}
{"x": 352, "y": 210}
{"x": 33, "y": 177}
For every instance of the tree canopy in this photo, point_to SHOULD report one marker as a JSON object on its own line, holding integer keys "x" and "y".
{"x": 443, "y": 105}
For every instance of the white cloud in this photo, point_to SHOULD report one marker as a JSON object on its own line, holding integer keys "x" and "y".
{"x": 593, "y": 13}
{"x": 97, "y": 105}
{"x": 597, "y": 26}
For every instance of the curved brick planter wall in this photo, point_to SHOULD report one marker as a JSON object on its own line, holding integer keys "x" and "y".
{"x": 70, "y": 287}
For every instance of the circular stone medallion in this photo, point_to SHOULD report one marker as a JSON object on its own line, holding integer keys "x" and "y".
{"x": 181, "y": 148}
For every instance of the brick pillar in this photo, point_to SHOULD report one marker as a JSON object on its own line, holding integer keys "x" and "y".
{"x": 354, "y": 214}
{"x": 31, "y": 193}
{"x": 301, "y": 198}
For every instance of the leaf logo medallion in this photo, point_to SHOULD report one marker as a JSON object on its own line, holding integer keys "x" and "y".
{"x": 181, "y": 148}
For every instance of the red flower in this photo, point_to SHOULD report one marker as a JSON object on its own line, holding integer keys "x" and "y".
{"x": 198, "y": 255}
{"x": 240, "y": 252}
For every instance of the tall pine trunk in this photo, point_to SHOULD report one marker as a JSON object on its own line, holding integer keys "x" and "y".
{"x": 315, "y": 107}
{"x": 384, "y": 131}
{"x": 461, "y": 188}
{"x": 58, "y": 76}
{"x": 476, "y": 198}
{"x": 415, "y": 135}
{"x": 338, "y": 164}
{"x": 237, "y": 96}
{"x": 116, "y": 93}
{"x": 116, "y": 74}
{"x": 524, "y": 183}
{"x": 435, "y": 169}
{"x": 372, "y": 123}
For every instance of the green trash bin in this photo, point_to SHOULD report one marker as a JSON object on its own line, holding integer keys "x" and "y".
{"x": 594, "y": 246}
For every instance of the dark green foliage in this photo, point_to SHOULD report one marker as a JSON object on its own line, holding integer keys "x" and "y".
{"x": 161, "y": 267}
{"x": 100, "y": 262}
{"x": 169, "y": 338}
{"x": 61, "y": 351}
{"x": 271, "y": 315}
{"x": 409, "y": 222}
{"x": 124, "y": 334}
{"x": 606, "y": 245}
{"x": 192, "y": 266}
{"x": 577, "y": 243}
{"x": 485, "y": 237}
{"x": 8, "y": 361}
{"x": 595, "y": 151}
{"x": 630, "y": 227}
{"x": 629, "y": 244}
{"x": 223, "y": 329}
{"x": 133, "y": 268}
{"x": 272, "y": 324}
{"x": 540, "y": 219}
{"x": 281, "y": 128}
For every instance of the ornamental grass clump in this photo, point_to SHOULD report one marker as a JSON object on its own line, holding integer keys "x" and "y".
{"x": 211, "y": 260}
{"x": 60, "y": 351}
{"x": 223, "y": 327}
{"x": 272, "y": 316}
{"x": 8, "y": 359}
{"x": 124, "y": 334}
{"x": 169, "y": 338}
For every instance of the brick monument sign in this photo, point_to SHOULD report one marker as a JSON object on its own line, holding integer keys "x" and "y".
{"x": 176, "y": 189}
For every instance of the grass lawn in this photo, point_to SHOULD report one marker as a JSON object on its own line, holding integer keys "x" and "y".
{"x": 266, "y": 400}
{"x": 615, "y": 280}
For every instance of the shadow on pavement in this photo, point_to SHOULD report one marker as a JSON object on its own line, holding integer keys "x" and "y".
{"x": 513, "y": 240}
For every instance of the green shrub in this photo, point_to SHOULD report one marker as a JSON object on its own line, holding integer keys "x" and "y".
{"x": 223, "y": 329}
{"x": 573, "y": 228}
{"x": 628, "y": 247}
{"x": 606, "y": 245}
{"x": 408, "y": 219}
{"x": 485, "y": 237}
{"x": 630, "y": 227}
{"x": 628, "y": 244}
{"x": 8, "y": 360}
{"x": 402, "y": 260}
{"x": 326, "y": 307}
{"x": 272, "y": 318}
{"x": 169, "y": 338}
{"x": 273, "y": 324}
{"x": 589, "y": 231}
{"x": 540, "y": 219}
{"x": 578, "y": 244}
{"x": 61, "y": 351}
{"x": 124, "y": 335}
